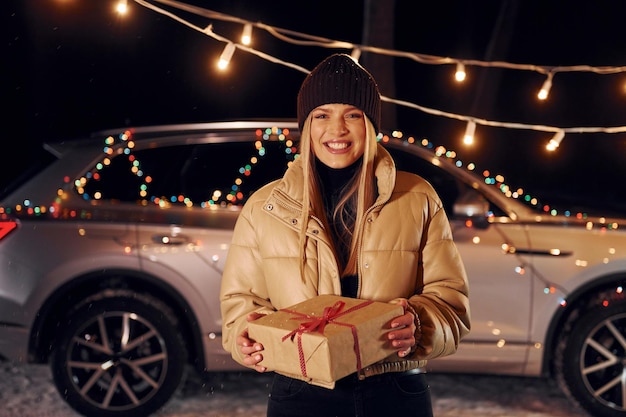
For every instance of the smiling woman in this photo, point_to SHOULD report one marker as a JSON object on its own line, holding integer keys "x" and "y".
{"x": 343, "y": 221}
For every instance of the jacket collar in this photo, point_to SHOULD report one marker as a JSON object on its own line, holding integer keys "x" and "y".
{"x": 292, "y": 183}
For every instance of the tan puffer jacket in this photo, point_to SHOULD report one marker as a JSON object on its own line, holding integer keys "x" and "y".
{"x": 407, "y": 252}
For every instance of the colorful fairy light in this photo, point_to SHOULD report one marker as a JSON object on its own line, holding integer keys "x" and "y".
{"x": 235, "y": 194}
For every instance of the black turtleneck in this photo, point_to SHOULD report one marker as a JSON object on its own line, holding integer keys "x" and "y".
{"x": 333, "y": 182}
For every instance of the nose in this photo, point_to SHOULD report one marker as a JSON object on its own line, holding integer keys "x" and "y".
{"x": 338, "y": 126}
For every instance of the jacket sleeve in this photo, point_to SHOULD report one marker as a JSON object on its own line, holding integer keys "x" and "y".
{"x": 441, "y": 305}
{"x": 243, "y": 288}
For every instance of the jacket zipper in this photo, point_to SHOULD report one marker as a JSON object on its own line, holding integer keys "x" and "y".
{"x": 368, "y": 212}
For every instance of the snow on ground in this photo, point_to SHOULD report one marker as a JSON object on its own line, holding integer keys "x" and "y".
{"x": 27, "y": 391}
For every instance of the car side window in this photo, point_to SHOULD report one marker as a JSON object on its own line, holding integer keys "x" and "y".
{"x": 228, "y": 173}
{"x": 191, "y": 174}
{"x": 448, "y": 187}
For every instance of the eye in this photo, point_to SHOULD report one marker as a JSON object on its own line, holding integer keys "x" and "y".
{"x": 355, "y": 115}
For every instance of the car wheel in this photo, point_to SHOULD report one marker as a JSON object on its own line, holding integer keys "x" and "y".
{"x": 119, "y": 355}
{"x": 591, "y": 365}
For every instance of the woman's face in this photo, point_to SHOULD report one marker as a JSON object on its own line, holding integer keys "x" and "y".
{"x": 338, "y": 134}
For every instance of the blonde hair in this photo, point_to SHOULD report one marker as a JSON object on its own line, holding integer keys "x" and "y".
{"x": 359, "y": 197}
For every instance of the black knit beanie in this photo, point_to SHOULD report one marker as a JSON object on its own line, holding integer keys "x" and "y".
{"x": 339, "y": 79}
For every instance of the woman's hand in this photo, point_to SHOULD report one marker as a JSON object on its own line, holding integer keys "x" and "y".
{"x": 403, "y": 337}
{"x": 250, "y": 348}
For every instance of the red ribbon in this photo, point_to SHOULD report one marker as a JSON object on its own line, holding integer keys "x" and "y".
{"x": 318, "y": 324}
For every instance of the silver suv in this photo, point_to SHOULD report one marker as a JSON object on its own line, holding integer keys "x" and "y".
{"x": 111, "y": 259}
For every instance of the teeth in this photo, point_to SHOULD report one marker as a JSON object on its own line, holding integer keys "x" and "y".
{"x": 337, "y": 146}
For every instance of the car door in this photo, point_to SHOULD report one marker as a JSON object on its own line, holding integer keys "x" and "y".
{"x": 500, "y": 281}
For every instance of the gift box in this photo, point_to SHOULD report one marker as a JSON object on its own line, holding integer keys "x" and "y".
{"x": 325, "y": 338}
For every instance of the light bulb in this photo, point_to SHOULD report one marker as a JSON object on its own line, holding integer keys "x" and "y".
{"x": 246, "y": 35}
{"x": 468, "y": 139}
{"x": 545, "y": 88}
{"x": 122, "y": 7}
{"x": 227, "y": 54}
{"x": 460, "y": 74}
{"x": 555, "y": 141}
{"x": 356, "y": 54}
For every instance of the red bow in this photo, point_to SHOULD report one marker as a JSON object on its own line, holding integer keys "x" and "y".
{"x": 318, "y": 324}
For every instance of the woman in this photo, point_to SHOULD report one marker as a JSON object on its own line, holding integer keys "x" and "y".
{"x": 343, "y": 221}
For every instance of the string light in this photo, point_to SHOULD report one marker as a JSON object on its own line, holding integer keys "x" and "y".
{"x": 122, "y": 7}
{"x": 356, "y": 54}
{"x": 304, "y": 39}
{"x": 555, "y": 141}
{"x": 311, "y": 40}
{"x": 545, "y": 88}
{"x": 468, "y": 138}
{"x": 246, "y": 35}
{"x": 460, "y": 74}
{"x": 227, "y": 54}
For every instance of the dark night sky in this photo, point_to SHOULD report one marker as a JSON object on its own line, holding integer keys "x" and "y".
{"x": 74, "y": 66}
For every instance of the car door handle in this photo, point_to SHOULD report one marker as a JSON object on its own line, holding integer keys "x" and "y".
{"x": 512, "y": 250}
{"x": 170, "y": 240}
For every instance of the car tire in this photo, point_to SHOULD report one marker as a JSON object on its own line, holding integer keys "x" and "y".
{"x": 591, "y": 361}
{"x": 119, "y": 354}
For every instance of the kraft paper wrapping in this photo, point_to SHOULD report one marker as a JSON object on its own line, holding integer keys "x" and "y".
{"x": 326, "y": 347}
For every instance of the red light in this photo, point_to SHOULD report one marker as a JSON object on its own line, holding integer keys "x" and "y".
{"x": 6, "y": 227}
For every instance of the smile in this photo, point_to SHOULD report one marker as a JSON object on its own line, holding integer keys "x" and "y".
{"x": 337, "y": 145}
